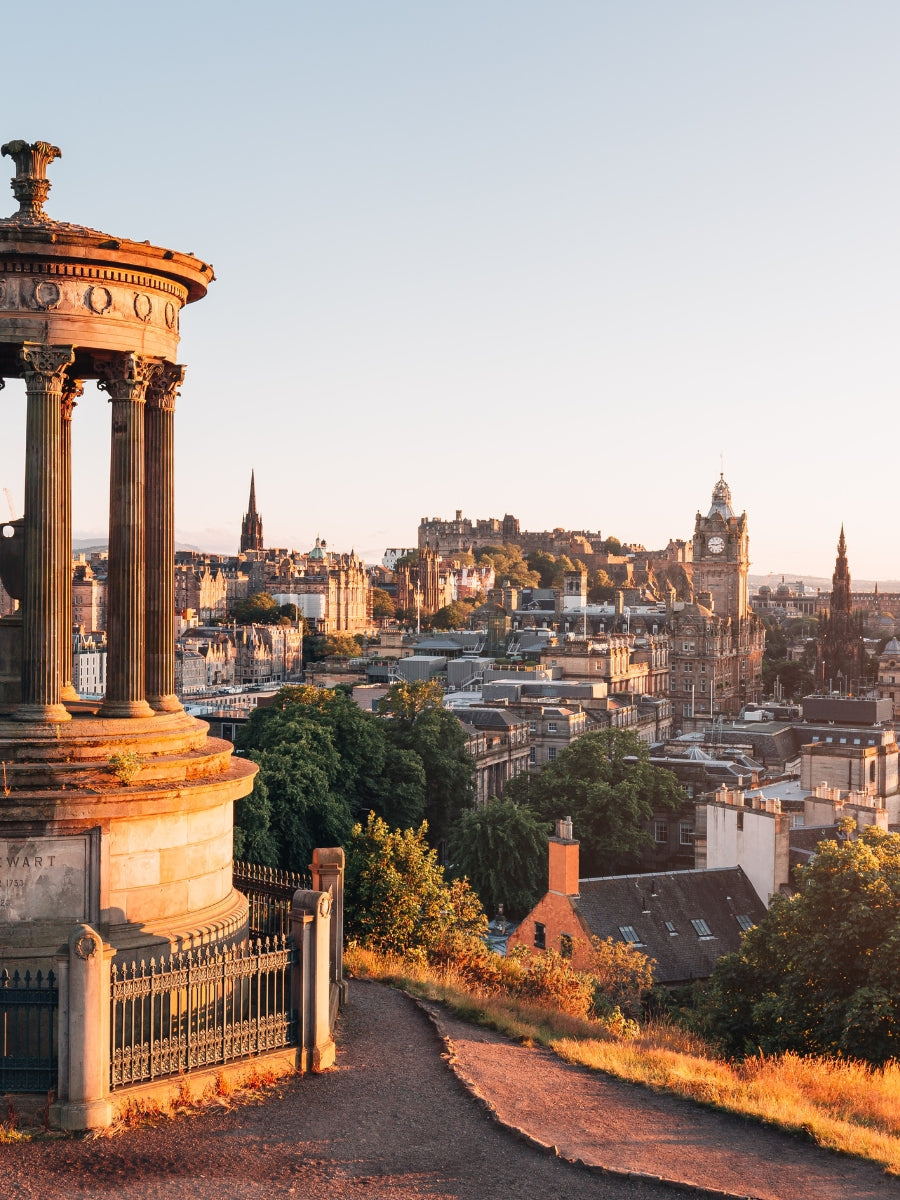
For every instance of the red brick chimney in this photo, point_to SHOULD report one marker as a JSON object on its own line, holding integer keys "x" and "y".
{"x": 563, "y": 860}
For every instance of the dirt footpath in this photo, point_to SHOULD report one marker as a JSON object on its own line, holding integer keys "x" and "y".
{"x": 393, "y": 1122}
{"x": 608, "y": 1123}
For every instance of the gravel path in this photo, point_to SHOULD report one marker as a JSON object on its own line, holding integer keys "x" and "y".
{"x": 608, "y": 1123}
{"x": 393, "y": 1123}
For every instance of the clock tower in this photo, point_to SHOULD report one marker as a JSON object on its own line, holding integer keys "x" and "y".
{"x": 722, "y": 555}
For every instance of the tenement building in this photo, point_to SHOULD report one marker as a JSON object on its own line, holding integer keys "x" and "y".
{"x": 717, "y": 642}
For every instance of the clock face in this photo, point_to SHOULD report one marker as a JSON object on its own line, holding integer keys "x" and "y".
{"x": 716, "y": 545}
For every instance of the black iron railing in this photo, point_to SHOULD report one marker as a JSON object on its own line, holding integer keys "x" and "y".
{"x": 269, "y": 892}
{"x": 200, "y": 1008}
{"x": 28, "y": 1031}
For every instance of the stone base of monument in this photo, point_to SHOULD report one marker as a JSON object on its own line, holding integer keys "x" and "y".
{"x": 124, "y": 824}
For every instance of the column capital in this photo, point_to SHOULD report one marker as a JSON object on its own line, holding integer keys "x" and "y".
{"x": 45, "y": 365}
{"x": 162, "y": 391}
{"x": 125, "y": 377}
{"x": 72, "y": 389}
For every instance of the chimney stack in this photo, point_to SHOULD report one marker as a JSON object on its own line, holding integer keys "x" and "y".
{"x": 563, "y": 855}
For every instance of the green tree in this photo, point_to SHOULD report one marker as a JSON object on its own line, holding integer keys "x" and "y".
{"x": 398, "y": 898}
{"x": 607, "y": 784}
{"x": 258, "y": 609}
{"x": 416, "y": 720}
{"x": 509, "y": 565}
{"x": 502, "y": 848}
{"x": 820, "y": 974}
{"x": 383, "y": 607}
{"x": 602, "y": 588}
{"x": 295, "y": 805}
{"x": 612, "y": 545}
{"x": 341, "y": 645}
{"x": 452, "y": 616}
{"x": 545, "y": 566}
{"x": 361, "y": 771}
{"x": 793, "y": 676}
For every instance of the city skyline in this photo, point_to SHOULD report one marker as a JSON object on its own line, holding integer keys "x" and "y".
{"x": 502, "y": 259}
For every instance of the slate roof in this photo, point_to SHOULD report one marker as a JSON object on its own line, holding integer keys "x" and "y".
{"x": 645, "y": 903}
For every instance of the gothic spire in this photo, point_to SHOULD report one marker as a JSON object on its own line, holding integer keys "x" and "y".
{"x": 251, "y": 527}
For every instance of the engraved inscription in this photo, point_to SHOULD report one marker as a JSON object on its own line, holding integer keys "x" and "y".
{"x": 44, "y": 879}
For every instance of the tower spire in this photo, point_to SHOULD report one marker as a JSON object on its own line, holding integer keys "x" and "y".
{"x": 251, "y": 526}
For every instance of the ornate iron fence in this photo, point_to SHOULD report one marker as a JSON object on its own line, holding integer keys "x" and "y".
{"x": 270, "y": 892}
{"x": 200, "y": 1008}
{"x": 28, "y": 1031}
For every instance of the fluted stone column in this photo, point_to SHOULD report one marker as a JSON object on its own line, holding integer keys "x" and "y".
{"x": 42, "y": 603}
{"x": 125, "y": 379}
{"x": 72, "y": 388}
{"x": 159, "y": 454}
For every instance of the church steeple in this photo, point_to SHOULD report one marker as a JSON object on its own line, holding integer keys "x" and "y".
{"x": 842, "y": 656}
{"x": 251, "y": 526}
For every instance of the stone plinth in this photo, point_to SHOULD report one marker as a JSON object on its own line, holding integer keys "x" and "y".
{"x": 159, "y": 876}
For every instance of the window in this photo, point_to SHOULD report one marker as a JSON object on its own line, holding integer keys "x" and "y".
{"x": 532, "y": 726}
{"x": 687, "y": 647}
{"x": 744, "y": 922}
{"x": 701, "y": 928}
{"x": 685, "y": 833}
{"x": 551, "y": 727}
{"x": 540, "y": 936}
{"x": 532, "y": 755}
{"x": 565, "y": 945}
{"x": 670, "y": 929}
{"x": 660, "y": 831}
{"x": 551, "y": 754}
{"x": 629, "y": 934}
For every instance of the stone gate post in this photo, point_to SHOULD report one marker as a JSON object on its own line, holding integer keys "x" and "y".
{"x": 84, "y": 1035}
{"x": 312, "y": 983}
{"x": 327, "y": 868}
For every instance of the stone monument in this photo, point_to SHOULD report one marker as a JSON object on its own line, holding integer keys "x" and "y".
{"x": 117, "y": 814}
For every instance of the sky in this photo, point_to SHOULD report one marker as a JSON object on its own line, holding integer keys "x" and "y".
{"x": 563, "y": 260}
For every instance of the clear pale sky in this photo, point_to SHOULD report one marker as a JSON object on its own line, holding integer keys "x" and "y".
{"x": 550, "y": 259}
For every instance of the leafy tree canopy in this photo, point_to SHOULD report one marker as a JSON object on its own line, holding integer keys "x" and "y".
{"x": 452, "y": 616}
{"x": 353, "y": 768}
{"x": 509, "y": 565}
{"x": 383, "y": 607}
{"x": 397, "y": 896}
{"x": 502, "y": 848}
{"x": 258, "y": 609}
{"x": 820, "y": 974}
{"x": 606, "y": 783}
{"x": 417, "y": 721}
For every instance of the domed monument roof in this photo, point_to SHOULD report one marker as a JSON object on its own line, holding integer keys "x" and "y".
{"x": 721, "y": 499}
{"x": 318, "y": 552}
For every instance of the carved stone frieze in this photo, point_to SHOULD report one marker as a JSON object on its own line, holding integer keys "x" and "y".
{"x": 125, "y": 377}
{"x": 45, "y": 366}
{"x": 166, "y": 380}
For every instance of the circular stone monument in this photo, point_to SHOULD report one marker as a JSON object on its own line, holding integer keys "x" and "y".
{"x": 117, "y": 814}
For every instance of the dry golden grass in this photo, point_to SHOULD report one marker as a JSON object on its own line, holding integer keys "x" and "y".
{"x": 844, "y": 1106}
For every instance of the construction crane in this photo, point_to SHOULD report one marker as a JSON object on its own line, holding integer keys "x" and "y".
{"x": 9, "y": 501}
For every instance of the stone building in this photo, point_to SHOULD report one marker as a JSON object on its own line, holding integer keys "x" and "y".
{"x": 889, "y": 674}
{"x": 717, "y": 642}
{"x": 499, "y": 742}
{"x": 88, "y": 598}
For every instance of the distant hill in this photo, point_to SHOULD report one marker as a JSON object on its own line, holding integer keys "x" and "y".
{"x": 811, "y": 582}
{"x": 85, "y": 546}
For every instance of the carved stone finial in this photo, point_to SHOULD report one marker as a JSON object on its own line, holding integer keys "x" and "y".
{"x": 31, "y": 185}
